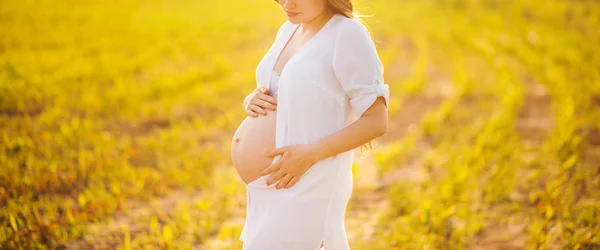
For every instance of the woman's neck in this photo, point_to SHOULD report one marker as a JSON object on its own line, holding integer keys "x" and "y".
{"x": 314, "y": 25}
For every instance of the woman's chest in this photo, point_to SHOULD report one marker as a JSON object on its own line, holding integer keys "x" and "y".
{"x": 309, "y": 69}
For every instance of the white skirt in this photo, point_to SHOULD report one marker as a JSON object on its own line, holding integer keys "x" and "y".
{"x": 304, "y": 215}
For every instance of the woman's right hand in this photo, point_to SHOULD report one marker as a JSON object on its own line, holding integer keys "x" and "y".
{"x": 258, "y": 101}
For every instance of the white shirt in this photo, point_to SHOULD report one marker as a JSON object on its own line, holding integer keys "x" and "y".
{"x": 324, "y": 87}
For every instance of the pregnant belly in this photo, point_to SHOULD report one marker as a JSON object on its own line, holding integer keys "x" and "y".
{"x": 252, "y": 141}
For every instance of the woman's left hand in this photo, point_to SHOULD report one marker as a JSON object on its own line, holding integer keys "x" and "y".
{"x": 294, "y": 162}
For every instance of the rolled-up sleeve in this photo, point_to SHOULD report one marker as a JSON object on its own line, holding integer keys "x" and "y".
{"x": 358, "y": 67}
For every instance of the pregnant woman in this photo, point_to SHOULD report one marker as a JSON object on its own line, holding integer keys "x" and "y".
{"x": 320, "y": 95}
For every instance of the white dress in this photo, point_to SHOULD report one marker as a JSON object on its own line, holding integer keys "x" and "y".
{"x": 324, "y": 87}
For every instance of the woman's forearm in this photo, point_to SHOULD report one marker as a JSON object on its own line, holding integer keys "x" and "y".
{"x": 361, "y": 131}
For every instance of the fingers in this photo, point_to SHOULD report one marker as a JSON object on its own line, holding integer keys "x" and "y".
{"x": 265, "y": 91}
{"x": 264, "y": 101}
{"x": 284, "y": 181}
{"x": 251, "y": 113}
{"x": 277, "y": 151}
{"x": 258, "y": 101}
{"x": 275, "y": 177}
{"x": 271, "y": 168}
{"x": 257, "y": 109}
{"x": 269, "y": 98}
{"x": 292, "y": 181}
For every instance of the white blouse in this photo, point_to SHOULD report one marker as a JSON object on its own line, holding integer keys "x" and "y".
{"x": 324, "y": 87}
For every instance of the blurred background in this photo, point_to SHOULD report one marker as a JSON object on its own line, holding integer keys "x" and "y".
{"x": 116, "y": 119}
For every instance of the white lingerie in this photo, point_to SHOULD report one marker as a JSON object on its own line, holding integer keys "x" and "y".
{"x": 274, "y": 84}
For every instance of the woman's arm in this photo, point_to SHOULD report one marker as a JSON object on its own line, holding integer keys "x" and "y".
{"x": 371, "y": 125}
{"x": 360, "y": 73}
{"x": 299, "y": 158}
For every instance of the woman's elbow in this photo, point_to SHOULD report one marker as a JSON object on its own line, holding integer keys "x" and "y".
{"x": 380, "y": 123}
{"x": 378, "y": 117}
{"x": 382, "y": 114}
{"x": 382, "y": 127}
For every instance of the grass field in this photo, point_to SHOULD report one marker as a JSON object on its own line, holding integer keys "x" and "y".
{"x": 116, "y": 119}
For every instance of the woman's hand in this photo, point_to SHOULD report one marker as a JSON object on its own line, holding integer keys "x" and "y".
{"x": 294, "y": 162}
{"x": 258, "y": 101}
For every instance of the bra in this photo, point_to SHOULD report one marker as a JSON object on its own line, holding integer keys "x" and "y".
{"x": 274, "y": 84}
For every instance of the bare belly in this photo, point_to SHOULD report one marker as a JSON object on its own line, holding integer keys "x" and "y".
{"x": 252, "y": 141}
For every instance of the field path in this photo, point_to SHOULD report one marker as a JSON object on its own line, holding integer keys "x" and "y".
{"x": 534, "y": 123}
